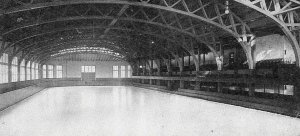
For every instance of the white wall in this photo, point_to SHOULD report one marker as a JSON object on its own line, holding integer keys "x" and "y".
{"x": 273, "y": 47}
{"x": 72, "y": 69}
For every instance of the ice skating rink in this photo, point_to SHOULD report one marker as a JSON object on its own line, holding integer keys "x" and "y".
{"x": 131, "y": 111}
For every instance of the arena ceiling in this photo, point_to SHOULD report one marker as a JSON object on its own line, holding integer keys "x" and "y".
{"x": 143, "y": 29}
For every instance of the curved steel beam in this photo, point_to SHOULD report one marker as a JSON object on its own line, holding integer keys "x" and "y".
{"x": 165, "y": 7}
{"x": 92, "y": 27}
{"x": 44, "y": 56}
{"x": 41, "y": 51}
{"x": 42, "y": 43}
{"x": 66, "y": 45}
{"x": 47, "y": 58}
{"x": 68, "y": 42}
{"x": 33, "y": 45}
{"x": 54, "y": 49}
{"x": 145, "y": 33}
{"x": 33, "y": 24}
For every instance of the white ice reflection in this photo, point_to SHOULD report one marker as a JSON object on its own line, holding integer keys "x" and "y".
{"x": 130, "y": 111}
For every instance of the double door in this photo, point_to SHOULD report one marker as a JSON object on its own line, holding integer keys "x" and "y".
{"x": 88, "y": 73}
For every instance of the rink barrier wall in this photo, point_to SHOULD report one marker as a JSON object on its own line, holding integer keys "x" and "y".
{"x": 12, "y": 93}
{"x": 7, "y": 87}
{"x": 274, "y": 106}
{"x": 79, "y": 82}
{"x": 10, "y": 98}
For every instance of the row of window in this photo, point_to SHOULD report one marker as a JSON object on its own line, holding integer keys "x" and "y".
{"x": 115, "y": 71}
{"x": 48, "y": 71}
{"x": 88, "y": 69}
{"x": 27, "y": 72}
{"x": 4, "y": 68}
{"x": 31, "y": 70}
{"x": 122, "y": 71}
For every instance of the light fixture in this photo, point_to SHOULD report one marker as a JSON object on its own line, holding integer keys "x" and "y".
{"x": 227, "y": 7}
{"x": 78, "y": 31}
{"x": 88, "y": 49}
{"x": 239, "y": 39}
{"x": 19, "y": 19}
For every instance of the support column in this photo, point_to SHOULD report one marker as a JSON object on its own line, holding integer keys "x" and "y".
{"x": 219, "y": 59}
{"x": 9, "y": 70}
{"x": 25, "y": 71}
{"x": 40, "y": 71}
{"x": 207, "y": 89}
{"x": 220, "y": 87}
{"x": 203, "y": 58}
{"x": 158, "y": 82}
{"x": 134, "y": 67}
{"x": 235, "y": 62}
{"x": 151, "y": 72}
{"x": 251, "y": 89}
{"x": 181, "y": 65}
{"x": 157, "y": 61}
{"x": 252, "y": 85}
{"x": 158, "y": 71}
{"x": 19, "y": 71}
{"x": 144, "y": 68}
{"x": 151, "y": 68}
{"x": 297, "y": 91}
{"x": 196, "y": 61}
{"x": 143, "y": 81}
{"x": 197, "y": 86}
{"x": 181, "y": 84}
{"x": 151, "y": 82}
{"x": 148, "y": 68}
{"x": 189, "y": 63}
{"x": 275, "y": 87}
{"x": 31, "y": 78}
{"x": 169, "y": 69}
{"x": 181, "y": 73}
{"x": 54, "y": 71}
{"x": 248, "y": 47}
{"x": 169, "y": 84}
{"x": 180, "y": 61}
{"x": 138, "y": 67}
{"x": 199, "y": 58}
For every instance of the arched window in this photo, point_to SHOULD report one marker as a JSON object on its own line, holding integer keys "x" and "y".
{"x": 14, "y": 70}
{"x": 36, "y": 71}
{"x": 123, "y": 71}
{"x": 32, "y": 71}
{"x": 50, "y": 71}
{"x": 59, "y": 71}
{"x": 28, "y": 71}
{"x": 115, "y": 71}
{"x": 22, "y": 71}
{"x": 4, "y": 68}
{"x": 129, "y": 71}
{"x": 44, "y": 71}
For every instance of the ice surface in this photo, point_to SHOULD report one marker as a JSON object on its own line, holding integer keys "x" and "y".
{"x": 131, "y": 111}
